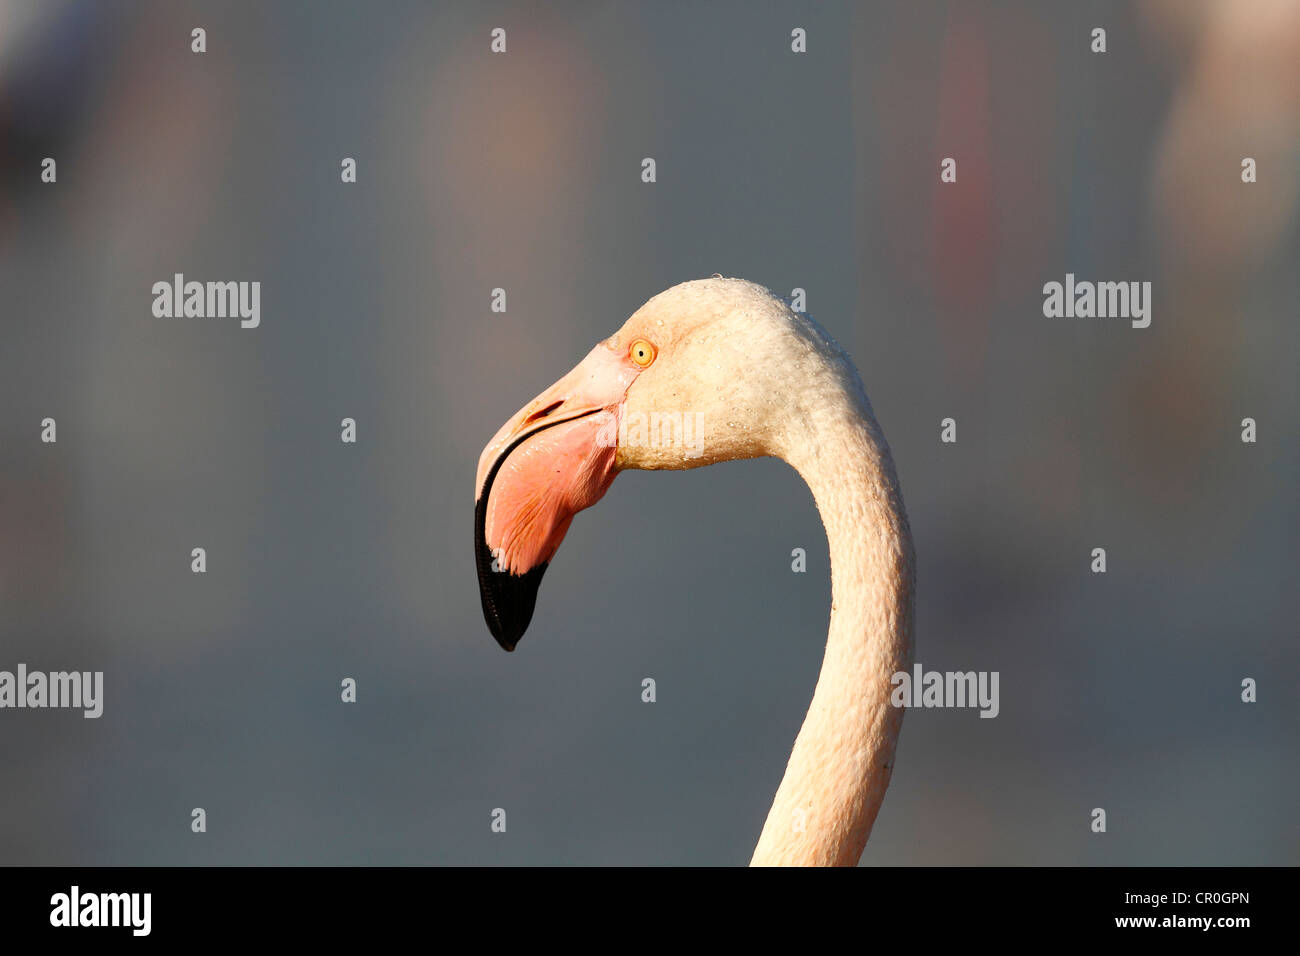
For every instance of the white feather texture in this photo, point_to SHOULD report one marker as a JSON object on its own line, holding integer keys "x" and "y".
{"x": 760, "y": 380}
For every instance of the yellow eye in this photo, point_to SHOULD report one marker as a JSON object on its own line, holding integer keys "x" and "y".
{"x": 642, "y": 353}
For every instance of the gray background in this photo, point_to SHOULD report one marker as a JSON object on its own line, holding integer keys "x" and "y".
{"x": 522, "y": 171}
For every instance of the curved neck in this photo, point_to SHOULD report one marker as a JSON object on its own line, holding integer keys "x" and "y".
{"x": 841, "y": 762}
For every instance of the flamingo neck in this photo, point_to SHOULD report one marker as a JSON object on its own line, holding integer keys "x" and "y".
{"x": 842, "y": 758}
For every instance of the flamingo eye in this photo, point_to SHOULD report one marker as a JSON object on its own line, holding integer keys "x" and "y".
{"x": 642, "y": 353}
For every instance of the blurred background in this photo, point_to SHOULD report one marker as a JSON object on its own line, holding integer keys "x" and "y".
{"x": 522, "y": 171}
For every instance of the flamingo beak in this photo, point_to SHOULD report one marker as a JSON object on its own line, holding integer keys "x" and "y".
{"x": 552, "y": 459}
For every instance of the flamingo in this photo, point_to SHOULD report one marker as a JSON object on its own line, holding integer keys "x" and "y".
{"x": 760, "y": 380}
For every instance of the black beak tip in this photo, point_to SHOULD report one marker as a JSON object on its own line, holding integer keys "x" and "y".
{"x": 508, "y": 599}
{"x": 508, "y": 602}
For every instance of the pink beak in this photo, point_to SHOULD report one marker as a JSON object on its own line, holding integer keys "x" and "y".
{"x": 551, "y": 460}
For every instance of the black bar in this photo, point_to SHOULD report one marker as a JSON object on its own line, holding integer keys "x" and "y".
{"x": 919, "y": 905}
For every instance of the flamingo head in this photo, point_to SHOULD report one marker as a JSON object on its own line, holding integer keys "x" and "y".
{"x": 699, "y": 374}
